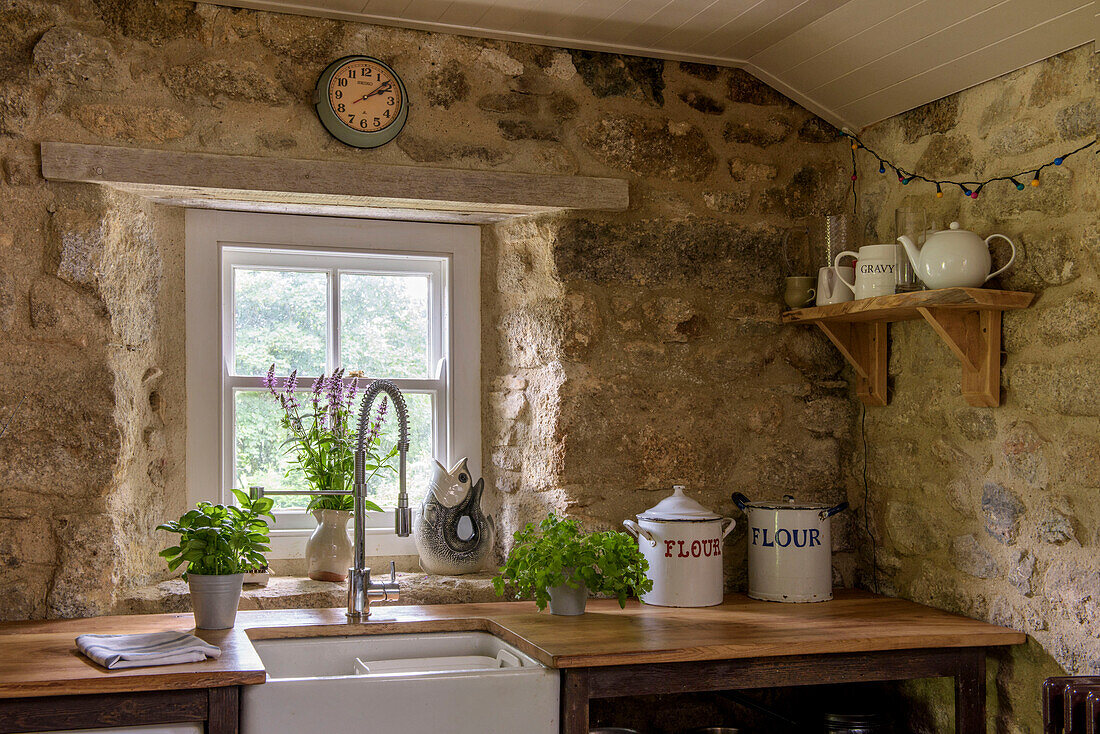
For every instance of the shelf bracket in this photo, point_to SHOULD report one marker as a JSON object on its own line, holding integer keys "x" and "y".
{"x": 863, "y": 344}
{"x": 975, "y": 338}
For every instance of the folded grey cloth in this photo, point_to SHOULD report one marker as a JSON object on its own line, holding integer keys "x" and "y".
{"x": 153, "y": 648}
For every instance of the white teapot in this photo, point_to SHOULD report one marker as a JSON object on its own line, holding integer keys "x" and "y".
{"x": 954, "y": 258}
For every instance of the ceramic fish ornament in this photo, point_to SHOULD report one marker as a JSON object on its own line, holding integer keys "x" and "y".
{"x": 450, "y": 487}
{"x": 453, "y": 536}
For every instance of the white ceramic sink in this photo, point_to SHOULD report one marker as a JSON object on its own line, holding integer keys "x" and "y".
{"x": 453, "y": 682}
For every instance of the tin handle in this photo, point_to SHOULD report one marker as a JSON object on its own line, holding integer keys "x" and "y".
{"x": 730, "y": 527}
{"x": 826, "y": 514}
{"x": 741, "y": 501}
{"x": 638, "y": 531}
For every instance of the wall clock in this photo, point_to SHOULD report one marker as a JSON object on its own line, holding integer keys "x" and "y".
{"x": 361, "y": 101}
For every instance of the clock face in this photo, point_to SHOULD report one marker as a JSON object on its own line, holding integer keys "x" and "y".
{"x": 361, "y": 101}
{"x": 365, "y": 95}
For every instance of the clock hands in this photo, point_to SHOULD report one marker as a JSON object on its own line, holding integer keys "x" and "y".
{"x": 383, "y": 87}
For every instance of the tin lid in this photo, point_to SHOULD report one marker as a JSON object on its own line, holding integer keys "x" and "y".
{"x": 678, "y": 506}
{"x": 787, "y": 503}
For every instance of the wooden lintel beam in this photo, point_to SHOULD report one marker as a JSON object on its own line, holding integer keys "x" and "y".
{"x": 331, "y": 181}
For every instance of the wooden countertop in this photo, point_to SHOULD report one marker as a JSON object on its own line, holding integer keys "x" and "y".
{"x": 39, "y": 658}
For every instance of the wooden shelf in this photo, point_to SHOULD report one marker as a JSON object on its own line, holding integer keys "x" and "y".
{"x": 967, "y": 319}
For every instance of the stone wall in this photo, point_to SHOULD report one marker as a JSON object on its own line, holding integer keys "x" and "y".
{"x": 622, "y": 353}
{"x": 992, "y": 513}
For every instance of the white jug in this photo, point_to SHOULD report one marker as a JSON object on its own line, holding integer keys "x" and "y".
{"x": 874, "y": 270}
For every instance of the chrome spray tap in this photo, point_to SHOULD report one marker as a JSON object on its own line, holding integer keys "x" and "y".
{"x": 360, "y": 586}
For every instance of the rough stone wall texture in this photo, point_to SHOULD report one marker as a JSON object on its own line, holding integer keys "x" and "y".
{"x": 623, "y": 352}
{"x": 991, "y": 512}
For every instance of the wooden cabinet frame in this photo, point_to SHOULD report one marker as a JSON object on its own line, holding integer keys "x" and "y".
{"x": 218, "y": 709}
{"x": 965, "y": 665}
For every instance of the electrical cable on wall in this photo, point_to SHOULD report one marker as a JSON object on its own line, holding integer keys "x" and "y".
{"x": 969, "y": 189}
{"x": 867, "y": 501}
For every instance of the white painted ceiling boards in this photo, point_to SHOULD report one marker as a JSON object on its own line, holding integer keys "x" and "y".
{"x": 854, "y": 62}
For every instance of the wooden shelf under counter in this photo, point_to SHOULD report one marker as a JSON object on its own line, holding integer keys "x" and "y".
{"x": 968, "y": 320}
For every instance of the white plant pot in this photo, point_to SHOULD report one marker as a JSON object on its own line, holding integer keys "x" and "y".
{"x": 214, "y": 599}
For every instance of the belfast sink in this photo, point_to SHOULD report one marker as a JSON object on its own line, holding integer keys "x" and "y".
{"x": 426, "y": 683}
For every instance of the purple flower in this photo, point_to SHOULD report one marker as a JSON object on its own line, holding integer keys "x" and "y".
{"x": 317, "y": 385}
{"x": 376, "y": 427}
{"x": 291, "y": 386}
{"x": 336, "y": 397}
{"x": 269, "y": 379}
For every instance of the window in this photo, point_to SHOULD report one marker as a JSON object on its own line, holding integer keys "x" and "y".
{"x": 384, "y": 299}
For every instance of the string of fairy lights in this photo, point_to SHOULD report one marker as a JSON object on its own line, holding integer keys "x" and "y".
{"x": 969, "y": 188}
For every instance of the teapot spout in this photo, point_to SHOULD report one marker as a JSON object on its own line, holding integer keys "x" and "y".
{"x": 911, "y": 250}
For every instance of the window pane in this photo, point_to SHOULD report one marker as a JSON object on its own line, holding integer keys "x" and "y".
{"x": 384, "y": 324}
{"x": 383, "y": 487}
{"x": 260, "y": 457}
{"x": 280, "y": 318}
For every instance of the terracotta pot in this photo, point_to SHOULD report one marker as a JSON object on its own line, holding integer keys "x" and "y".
{"x": 329, "y": 549}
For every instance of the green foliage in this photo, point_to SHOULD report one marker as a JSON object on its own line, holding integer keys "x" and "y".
{"x": 280, "y": 317}
{"x": 559, "y": 552}
{"x": 323, "y": 438}
{"x": 217, "y": 540}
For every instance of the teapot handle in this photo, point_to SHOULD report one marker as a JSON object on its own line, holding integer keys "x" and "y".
{"x": 1010, "y": 260}
{"x": 836, "y": 268}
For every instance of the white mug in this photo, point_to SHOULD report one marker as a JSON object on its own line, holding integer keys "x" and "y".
{"x": 829, "y": 289}
{"x": 875, "y": 268}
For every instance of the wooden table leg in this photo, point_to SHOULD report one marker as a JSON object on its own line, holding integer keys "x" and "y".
{"x": 223, "y": 713}
{"x": 970, "y": 692}
{"x": 574, "y": 701}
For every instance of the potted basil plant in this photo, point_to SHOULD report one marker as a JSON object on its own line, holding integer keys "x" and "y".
{"x": 217, "y": 544}
{"x": 560, "y": 564}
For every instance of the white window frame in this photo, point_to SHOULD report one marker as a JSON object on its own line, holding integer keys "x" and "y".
{"x": 216, "y": 240}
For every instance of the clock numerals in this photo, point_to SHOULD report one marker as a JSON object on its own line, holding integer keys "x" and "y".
{"x": 363, "y": 97}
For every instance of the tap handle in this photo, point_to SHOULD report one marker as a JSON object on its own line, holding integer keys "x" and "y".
{"x": 393, "y": 572}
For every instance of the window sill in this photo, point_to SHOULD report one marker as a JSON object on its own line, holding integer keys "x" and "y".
{"x": 291, "y": 544}
{"x": 295, "y": 592}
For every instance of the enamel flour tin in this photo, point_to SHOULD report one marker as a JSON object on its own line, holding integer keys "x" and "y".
{"x": 790, "y": 549}
{"x": 682, "y": 541}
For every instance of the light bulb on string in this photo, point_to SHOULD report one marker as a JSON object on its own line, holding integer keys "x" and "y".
{"x": 905, "y": 177}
